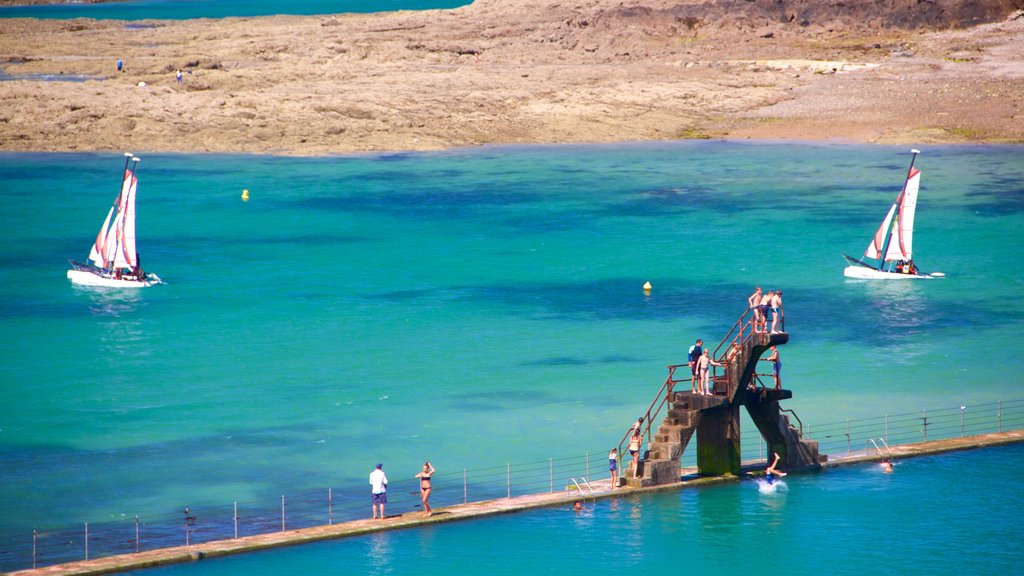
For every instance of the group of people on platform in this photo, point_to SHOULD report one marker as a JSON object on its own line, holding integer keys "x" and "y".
{"x": 764, "y": 304}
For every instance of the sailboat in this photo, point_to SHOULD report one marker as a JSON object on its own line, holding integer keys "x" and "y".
{"x": 113, "y": 261}
{"x": 889, "y": 255}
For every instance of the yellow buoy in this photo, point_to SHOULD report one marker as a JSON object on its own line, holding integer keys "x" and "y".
{"x": 647, "y": 286}
{"x": 245, "y": 195}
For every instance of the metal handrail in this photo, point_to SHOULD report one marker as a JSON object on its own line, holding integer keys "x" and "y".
{"x": 798, "y": 420}
{"x": 663, "y": 396}
{"x": 590, "y": 489}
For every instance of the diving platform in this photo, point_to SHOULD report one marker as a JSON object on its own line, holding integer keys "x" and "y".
{"x": 715, "y": 419}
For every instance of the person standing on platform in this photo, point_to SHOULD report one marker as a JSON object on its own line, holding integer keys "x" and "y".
{"x": 764, "y": 309}
{"x": 776, "y": 305}
{"x": 754, "y": 303}
{"x": 379, "y": 490}
{"x": 693, "y": 356}
{"x": 776, "y": 366}
{"x": 635, "y": 442}
{"x": 704, "y": 364}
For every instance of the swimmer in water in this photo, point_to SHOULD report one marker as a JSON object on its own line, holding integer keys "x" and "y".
{"x": 770, "y": 473}
{"x": 886, "y": 464}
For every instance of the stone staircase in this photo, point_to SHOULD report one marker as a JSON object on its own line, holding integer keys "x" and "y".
{"x": 661, "y": 464}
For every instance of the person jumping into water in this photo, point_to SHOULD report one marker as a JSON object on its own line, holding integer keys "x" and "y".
{"x": 770, "y": 472}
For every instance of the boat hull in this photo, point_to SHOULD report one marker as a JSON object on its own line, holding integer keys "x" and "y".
{"x": 865, "y": 273}
{"x": 97, "y": 279}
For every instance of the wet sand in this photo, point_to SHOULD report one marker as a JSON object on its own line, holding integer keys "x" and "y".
{"x": 505, "y": 72}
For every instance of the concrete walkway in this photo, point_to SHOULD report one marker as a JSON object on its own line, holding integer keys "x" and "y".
{"x": 602, "y": 489}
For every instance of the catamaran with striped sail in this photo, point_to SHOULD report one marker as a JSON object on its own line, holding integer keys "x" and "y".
{"x": 890, "y": 255}
{"x": 113, "y": 259}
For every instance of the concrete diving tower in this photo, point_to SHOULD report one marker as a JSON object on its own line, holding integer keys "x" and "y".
{"x": 716, "y": 418}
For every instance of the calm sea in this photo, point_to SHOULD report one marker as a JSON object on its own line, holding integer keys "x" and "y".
{"x": 184, "y": 9}
{"x": 484, "y": 307}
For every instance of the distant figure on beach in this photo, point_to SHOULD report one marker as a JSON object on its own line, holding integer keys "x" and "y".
{"x": 635, "y": 442}
{"x": 693, "y": 355}
{"x": 424, "y": 476}
{"x": 178, "y": 76}
{"x": 613, "y": 466}
{"x": 754, "y": 303}
{"x": 120, "y": 65}
{"x": 776, "y": 366}
{"x": 776, "y": 304}
{"x": 770, "y": 472}
{"x": 704, "y": 364}
{"x": 379, "y": 490}
{"x": 886, "y": 464}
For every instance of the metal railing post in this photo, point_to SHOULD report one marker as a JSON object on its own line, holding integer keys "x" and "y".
{"x": 925, "y": 424}
{"x": 551, "y": 475}
{"x": 136, "y": 533}
{"x": 33, "y": 549}
{"x": 508, "y": 480}
{"x": 999, "y": 415}
{"x": 886, "y": 428}
{"x": 465, "y": 487}
{"x": 962, "y": 406}
{"x": 86, "y": 540}
{"x": 282, "y": 512}
{"x": 235, "y": 519}
{"x": 588, "y": 465}
{"x": 330, "y": 506}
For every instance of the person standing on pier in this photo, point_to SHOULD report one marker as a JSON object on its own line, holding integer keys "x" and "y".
{"x": 425, "y": 489}
{"x": 379, "y": 490}
{"x": 613, "y": 466}
{"x": 693, "y": 356}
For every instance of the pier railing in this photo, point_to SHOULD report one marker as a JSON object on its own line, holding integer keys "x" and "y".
{"x": 57, "y": 541}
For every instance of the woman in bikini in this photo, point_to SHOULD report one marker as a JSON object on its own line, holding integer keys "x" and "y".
{"x": 424, "y": 477}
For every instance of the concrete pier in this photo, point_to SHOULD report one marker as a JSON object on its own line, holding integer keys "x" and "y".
{"x": 182, "y": 554}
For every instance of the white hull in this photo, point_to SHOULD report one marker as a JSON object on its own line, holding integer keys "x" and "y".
{"x": 86, "y": 278}
{"x": 866, "y": 273}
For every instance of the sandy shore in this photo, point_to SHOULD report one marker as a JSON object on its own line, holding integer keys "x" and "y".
{"x": 507, "y": 71}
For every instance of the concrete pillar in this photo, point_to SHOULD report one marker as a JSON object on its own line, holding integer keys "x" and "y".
{"x": 718, "y": 441}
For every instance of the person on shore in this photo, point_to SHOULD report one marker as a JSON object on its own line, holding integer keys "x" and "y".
{"x": 776, "y": 366}
{"x": 120, "y": 65}
{"x": 424, "y": 476}
{"x": 693, "y": 355}
{"x": 754, "y": 303}
{"x": 635, "y": 442}
{"x": 776, "y": 305}
{"x": 613, "y": 467}
{"x": 379, "y": 490}
{"x": 704, "y": 364}
{"x": 178, "y": 76}
{"x": 770, "y": 472}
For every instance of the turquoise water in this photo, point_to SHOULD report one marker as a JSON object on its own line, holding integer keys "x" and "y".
{"x": 184, "y": 9}
{"x": 474, "y": 307}
{"x": 846, "y": 521}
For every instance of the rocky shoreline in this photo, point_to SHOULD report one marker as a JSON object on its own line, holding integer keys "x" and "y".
{"x": 510, "y": 72}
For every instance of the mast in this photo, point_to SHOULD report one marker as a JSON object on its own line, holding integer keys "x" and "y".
{"x": 895, "y": 218}
{"x": 98, "y": 253}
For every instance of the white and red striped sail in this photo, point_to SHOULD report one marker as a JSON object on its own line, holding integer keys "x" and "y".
{"x": 115, "y": 243}
{"x": 900, "y": 232}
